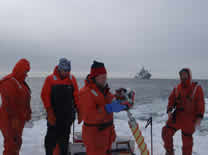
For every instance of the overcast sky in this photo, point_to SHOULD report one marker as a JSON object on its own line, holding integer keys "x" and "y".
{"x": 162, "y": 35}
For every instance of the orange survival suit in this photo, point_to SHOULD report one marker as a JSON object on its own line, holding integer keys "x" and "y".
{"x": 98, "y": 130}
{"x": 15, "y": 108}
{"x": 188, "y": 102}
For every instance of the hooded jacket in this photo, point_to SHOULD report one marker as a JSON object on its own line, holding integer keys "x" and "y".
{"x": 188, "y": 97}
{"x": 15, "y": 95}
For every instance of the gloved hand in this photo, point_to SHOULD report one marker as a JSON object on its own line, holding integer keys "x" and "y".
{"x": 120, "y": 94}
{"x": 130, "y": 99}
{"x": 51, "y": 117}
{"x": 115, "y": 106}
{"x": 127, "y": 104}
{"x": 126, "y": 96}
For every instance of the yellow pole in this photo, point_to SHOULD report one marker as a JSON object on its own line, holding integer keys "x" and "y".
{"x": 137, "y": 135}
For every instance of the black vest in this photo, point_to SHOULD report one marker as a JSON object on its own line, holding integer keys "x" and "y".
{"x": 62, "y": 101}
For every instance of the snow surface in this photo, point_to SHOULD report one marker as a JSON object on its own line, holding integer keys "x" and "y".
{"x": 33, "y": 138}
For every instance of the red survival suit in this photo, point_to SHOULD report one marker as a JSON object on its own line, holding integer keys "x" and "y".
{"x": 188, "y": 102}
{"x": 15, "y": 108}
{"x": 61, "y": 95}
{"x": 98, "y": 130}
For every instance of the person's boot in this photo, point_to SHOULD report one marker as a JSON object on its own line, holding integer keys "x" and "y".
{"x": 170, "y": 152}
{"x": 56, "y": 150}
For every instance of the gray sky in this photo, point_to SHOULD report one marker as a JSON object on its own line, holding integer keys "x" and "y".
{"x": 163, "y": 35}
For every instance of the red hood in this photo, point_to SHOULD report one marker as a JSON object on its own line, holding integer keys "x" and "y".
{"x": 19, "y": 71}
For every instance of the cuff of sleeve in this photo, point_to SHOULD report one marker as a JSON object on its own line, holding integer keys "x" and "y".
{"x": 199, "y": 116}
{"x": 108, "y": 108}
{"x": 169, "y": 110}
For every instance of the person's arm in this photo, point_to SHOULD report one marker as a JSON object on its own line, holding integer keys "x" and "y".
{"x": 83, "y": 105}
{"x": 46, "y": 98}
{"x": 28, "y": 112}
{"x": 46, "y": 93}
{"x": 76, "y": 98}
{"x": 200, "y": 105}
{"x": 171, "y": 102}
{"x": 76, "y": 89}
{"x": 6, "y": 115}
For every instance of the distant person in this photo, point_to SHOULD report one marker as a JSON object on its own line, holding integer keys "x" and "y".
{"x": 59, "y": 95}
{"x": 96, "y": 106}
{"x": 185, "y": 111}
{"x": 15, "y": 108}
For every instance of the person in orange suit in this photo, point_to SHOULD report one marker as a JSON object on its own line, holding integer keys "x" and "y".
{"x": 96, "y": 106}
{"x": 185, "y": 112}
{"x": 60, "y": 96}
{"x": 15, "y": 108}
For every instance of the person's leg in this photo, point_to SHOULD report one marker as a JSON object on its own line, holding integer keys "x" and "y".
{"x": 10, "y": 143}
{"x": 112, "y": 137}
{"x": 12, "y": 138}
{"x": 167, "y": 136}
{"x": 168, "y": 132}
{"x": 50, "y": 139}
{"x": 187, "y": 140}
{"x": 96, "y": 141}
{"x": 56, "y": 151}
{"x": 19, "y": 132}
{"x": 63, "y": 140}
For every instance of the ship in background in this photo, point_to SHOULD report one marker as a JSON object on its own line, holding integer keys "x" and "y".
{"x": 144, "y": 74}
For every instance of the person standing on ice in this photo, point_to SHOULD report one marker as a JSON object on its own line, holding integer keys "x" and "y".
{"x": 187, "y": 102}
{"x": 59, "y": 95}
{"x": 15, "y": 108}
{"x": 96, "y": 107}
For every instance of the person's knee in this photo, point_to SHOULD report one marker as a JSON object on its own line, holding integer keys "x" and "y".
{"x": 168, "y": 132}
{"x": 12, "y": 146}
{"x": 187, "y": 139}
{"x": 165, "y": 133}
{"x": 18, "y": 142}
{"x": 50, "y": 140}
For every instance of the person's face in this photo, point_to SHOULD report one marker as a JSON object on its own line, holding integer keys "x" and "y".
{"x": 24, "y": 75}
{"x": 184, "y": 76}
{"x": 64, "y": 74}
{"x": 101, "y": 80}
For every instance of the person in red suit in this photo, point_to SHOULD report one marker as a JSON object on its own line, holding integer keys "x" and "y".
{"x": 15, "y": 108}
{"x": 185, "y": 111}
{"x": 95, "y": 108}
